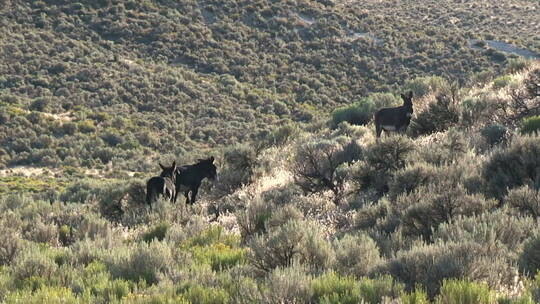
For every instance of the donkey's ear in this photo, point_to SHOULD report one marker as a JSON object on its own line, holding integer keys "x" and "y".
{"x": 403, "y": 97}
{"x": 410, "y": 94}
{"x": 173, "y": 164}
{"x": 211, "y": 159}
{"x": 162, "y": 166}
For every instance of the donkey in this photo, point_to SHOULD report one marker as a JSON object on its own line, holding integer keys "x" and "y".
{"x": 395, "y": 119}
{"x": 189, "y": 178}
{"x": 162, "y": 185}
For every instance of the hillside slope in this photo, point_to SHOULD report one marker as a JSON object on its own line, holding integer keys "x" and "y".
{"x": 310, "y": 216}
{"x": 118, "y": 84}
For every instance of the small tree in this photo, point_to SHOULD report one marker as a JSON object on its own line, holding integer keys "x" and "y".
{"x": 431, "y": 205}
{"x": 317, "y": 167}
{"x": 380, "y": 163}
{"x": 515, "y": 166}
{"x": 525, "y": 200}
{"x": 439, "y": 116}
{"x": 525, "y": 99}
{"x": 295, "y": 241}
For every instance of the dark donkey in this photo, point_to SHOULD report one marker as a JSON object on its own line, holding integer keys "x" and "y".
{"x": 189, "y": 177}
{"x": 162, "y": 185}
{"x": 395, "y": 119}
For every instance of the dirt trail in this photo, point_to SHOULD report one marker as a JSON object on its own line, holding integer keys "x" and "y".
{"x": 26, "y": 171}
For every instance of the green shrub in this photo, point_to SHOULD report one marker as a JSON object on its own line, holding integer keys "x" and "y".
{"x": 241, "y": 288}
{"x": 216, "y": 248}
{"x": 45, "y": 295}
{"x": 418, "y": 296}
{"x": 351, "y": 131}
{"x": 295, "y": 241}
{"x": 411, "y": 177}
{"x": 33, "y": 267}
{"x": 390, "y": 153}
{"x": 464, "y": 292}
{"x": 380, "y": 163}
{"x": 358, "y": 114}
{"x": 517, "y": 165}
{"x": 530, "y": 125}
{"x": 253, "y": 219}
{"x": 515, "y": 65}
{"x": 93, "y": 227}
{"x": 40, "y": 104}
{"x": 529, "y": 260}
{"x": 525, "y": 200}
{"x": 491, "y": 228}
{"x": 159, "y": 298}
{"x": 211, "y": 236}
{"x": 429, "y": 265}
{"x": 523, "y": 299}
{"x": 241, "y": 168}
{"x": 284, "y": 214}
{"x": 289, "y": 285}
{"x": 356, "y": 255}
{"x": 219, "y": 256}
{"x": 115, "y": 290}
{"x": 316, "y": 167}
{"x": 333, "y": 288}
{"x": 377, "y": 290}
{"x": 479, "y": 110}
{"x": 439, "y": 116}
{"x": 421, "y": 86}
{"x": 372, "y": 214}
{"x": 450, "y": 149}
{"x": 43, "y": 233}
{"x": 148, "y": 262}
{"x": 179, "y": 233}
{"x": 206, "y": 295}
{"x": 534, "y": 289}
{"x": 157, "y": 232}
{"x": 94, "y": 282}
{"x": 429, "y": 206}
{"x": 86, "y": 251}
{"x": 501, "y": 82}
{"x": 11, "y": 244}
{"x": 86, "y": 126}
{"x": 361, "y": 112}
{"x": 494, "y": 134}
{"x": 279, "y": 136}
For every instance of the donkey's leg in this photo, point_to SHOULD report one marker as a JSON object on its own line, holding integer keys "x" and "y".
{"x": 151, "y": 198}
{"x": 194, "y": 195}
{"x": 168, "y": 194}
{"x": 176, "y": 191}
{"x": 148, "y": 196}
{"x": 378, "y": 130}
{"x": 173, "y": 195}
{"x": 403, "y": 130}
{"x": 186, "y": 194}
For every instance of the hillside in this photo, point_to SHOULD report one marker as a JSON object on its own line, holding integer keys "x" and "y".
{"x": 309, "y": 207}
{"x": 142, "y": 80}
{"x": 311, "y": 216}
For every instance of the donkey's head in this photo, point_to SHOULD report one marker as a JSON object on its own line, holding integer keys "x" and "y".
{"x": 407, "y": 100}
{"x": 208, "y": 168}
{"x": 168, "y": 171}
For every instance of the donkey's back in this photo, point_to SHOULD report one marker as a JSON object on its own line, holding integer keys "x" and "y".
{"x": 161, "y": 185}
{"x": 154, "y": 187}
{"x": 393, "y": 119}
